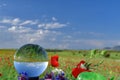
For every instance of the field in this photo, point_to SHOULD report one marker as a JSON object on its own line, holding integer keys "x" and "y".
{"x": 68, "y": 59}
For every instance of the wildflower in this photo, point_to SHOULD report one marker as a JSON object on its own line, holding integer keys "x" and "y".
{"x": 56, "y": 74}
{"x": 54, "y": 61}
{"x": 49, "y": 76}
{"x": 23, "y": 76}
{"x": 58, "y": 71}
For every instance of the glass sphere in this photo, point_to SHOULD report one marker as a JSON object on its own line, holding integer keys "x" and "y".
{"x": 90, "y": 76}
{"x": 32, "y": 59}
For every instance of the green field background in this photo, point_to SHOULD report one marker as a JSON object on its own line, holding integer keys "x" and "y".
{"x": 107, "y": 62}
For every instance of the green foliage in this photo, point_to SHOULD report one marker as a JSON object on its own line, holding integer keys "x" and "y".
{"x": 112, "y": 78}
{"x": 107, "y": 55}
{"x": 93, "y": 53}
{"x": 103, "y": 52}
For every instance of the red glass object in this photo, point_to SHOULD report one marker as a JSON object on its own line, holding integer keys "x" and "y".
{"x": 76, "y": 71}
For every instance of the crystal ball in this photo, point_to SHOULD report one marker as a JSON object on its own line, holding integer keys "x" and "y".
{"x": 32, "y": 59}
{"x": 90, "y": 76}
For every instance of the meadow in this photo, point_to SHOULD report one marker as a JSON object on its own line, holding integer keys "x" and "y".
{"x": 107, "y": 62}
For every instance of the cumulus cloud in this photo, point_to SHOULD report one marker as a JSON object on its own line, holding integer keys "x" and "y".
{"x": 37, "y": 36}
{"x": 13, "y": 28}
{"x": 29, "y": 22}
{"x": 29, "y": 31}
{"x": 21, "y": 32}
{"x": 14, "y": 21}
{"x": 5, "y": 21}
{"x": 52, "y": 25}
{"x": 41, "y": 25}
{"x": 19, "y": 29}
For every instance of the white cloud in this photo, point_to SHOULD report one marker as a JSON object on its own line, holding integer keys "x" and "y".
{"x": 22, "y": 32}
{"x": 43, "y": 33}
{"x": 13, "y": 28}
{"x": 5, "y": 21}
{"x": 29, "y": 22}
{"x": 41, "y": 25}
{"x": 14, "y": 21}
{"x": 32, "y": 40}
{"x": 34, "y": 36}
{"x": 17, "y": 21}
{"x": 54, "y": 19}
{"x": 19, "y": 29}
{"x": 54, "y": 25}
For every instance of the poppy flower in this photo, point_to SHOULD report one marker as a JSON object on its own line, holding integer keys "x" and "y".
{"x": 55, "y": 57}
{"x": 54, "y": 61}
{"x": 79, "y": 69}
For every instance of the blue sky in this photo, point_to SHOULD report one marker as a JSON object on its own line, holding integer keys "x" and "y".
{"x": 63, "y": 24}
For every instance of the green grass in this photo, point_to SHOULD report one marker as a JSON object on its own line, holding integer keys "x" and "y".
{"x": 68, "y": 60}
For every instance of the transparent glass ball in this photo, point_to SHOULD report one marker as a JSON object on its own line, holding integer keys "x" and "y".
{"x": 32, "y": 59}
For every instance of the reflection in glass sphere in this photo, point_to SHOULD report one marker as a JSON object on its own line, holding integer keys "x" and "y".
{"x": 32, "y": 59}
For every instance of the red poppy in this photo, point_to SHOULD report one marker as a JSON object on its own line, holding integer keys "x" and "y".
{"x": 54, "y": 61}
{"x": 55, "y": 57}
{"x": 79, "y": 69}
